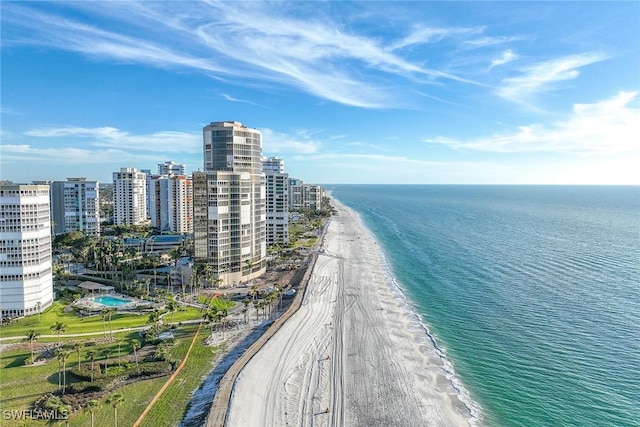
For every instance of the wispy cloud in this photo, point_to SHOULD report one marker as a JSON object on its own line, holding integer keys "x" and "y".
{"x": 421, "y": 34}
{"x": 242, "y": 101}
{"x": 239, "y": 42}
{"x": 279, "y": 143}
{"x": 607, "y": 127}
{"x": 113, "y": 138}
{"x": 504, "y": 58}
{"x": 543, "y": 76}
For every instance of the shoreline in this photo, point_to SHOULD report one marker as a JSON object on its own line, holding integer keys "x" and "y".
{"x": 355, "y": 353}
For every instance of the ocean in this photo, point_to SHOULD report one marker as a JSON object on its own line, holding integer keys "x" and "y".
{"x": 531, "y": 292}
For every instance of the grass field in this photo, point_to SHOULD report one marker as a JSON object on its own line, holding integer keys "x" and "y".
{"x": 21, "y": 385}
{"x": 78, "y": 325}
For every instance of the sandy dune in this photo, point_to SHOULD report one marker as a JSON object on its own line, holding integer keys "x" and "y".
{"x": 353, "y": 355}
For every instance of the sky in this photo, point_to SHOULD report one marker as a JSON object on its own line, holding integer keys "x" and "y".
{"x": 376, "y": 92}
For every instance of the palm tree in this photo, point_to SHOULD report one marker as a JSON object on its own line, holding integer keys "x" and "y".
{"x": 135, "y": 345}
{"x": 91, "y": 406}
{"x": 115, "y": 400}
{"x": 91, "y": 354}
{"x": 104, "y": 313}
{"x": 105, "y": 352}
{"x": 154, "y": 317}
{"x": 111, "y": 312}
{"x": 78, "y": 346}
{"x": 172, "y": 306}
{"x": 32, "y": 337}
{"x": 120, "y": 341}
{"x": 63, "y": 356}
{"x": 245, "y": 310}
{"x": 208, "y": 273}
{"x": 58, "y": 328}
{"x": 222, "y": 315}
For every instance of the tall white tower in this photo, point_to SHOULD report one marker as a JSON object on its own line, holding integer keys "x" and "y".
{"x": 26, "y": 284}
{"x": 229, "y": 203}
{"x": 129, "y": 197}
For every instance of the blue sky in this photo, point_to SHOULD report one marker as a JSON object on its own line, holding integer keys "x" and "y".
{"x": 373, "y": 92}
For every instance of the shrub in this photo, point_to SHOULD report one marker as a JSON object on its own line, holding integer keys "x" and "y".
{"x": 153, "y": 368}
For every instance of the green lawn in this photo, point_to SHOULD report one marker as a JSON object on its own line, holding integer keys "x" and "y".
{"x": 77, "y": 325}
{"x": 22, "y": 385}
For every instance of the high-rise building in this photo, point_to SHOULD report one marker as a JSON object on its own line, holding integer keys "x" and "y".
{"x": 273, "y": 164}
{"x": 277, "y": 201}
{"x": 26, "y": 283}
{"x": 304, "y": 196}
{"x": 75, "y": 206}
{"x": 129, "y": 197}
{"x": 171, "y": 168}
{"x": 171, "y": 207}
{"x": 229, "y": 203}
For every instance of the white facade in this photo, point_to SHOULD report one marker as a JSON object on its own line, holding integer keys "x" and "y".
{"x": 75, "y": 206}
{"x": 273, "y": 164}
{"x": 170, "y": 203}
{"x": 26, "y": 283}
{"x": 171, "y": 168}
{"x": 129, "y": 197}
{"x": 304, "y": 196}
{"x": 229, "y": 203}
{"x": 277, "y": 206}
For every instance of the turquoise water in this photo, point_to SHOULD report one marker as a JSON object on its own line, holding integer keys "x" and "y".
{"x": 111, "y": 301}
{"x": 533, "y": 292}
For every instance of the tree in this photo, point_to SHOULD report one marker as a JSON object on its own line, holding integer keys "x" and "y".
{"x": 208, "y": 273}
{"x": 154, "y": 317}
{"x": 63, "y": 355}
{"x": 111, "y": 312}
{"x": 135, "y": 345}
{"x": 120, "y": 341}
{"x": 91, "y": 354}
{"x": 172, "y": 306}
{"x": 91, "y": 406}
{"x": 115, "y": 400}
{"x": 32, "y": 337}
{"x": 58, "y": 328}
{"x": 78, "y": 346}
{"x": 106, "y": 352}
{"x": 246, "y": 303}
{"x": 104, "y": 313}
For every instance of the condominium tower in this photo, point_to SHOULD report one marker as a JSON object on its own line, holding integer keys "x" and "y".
{"x": 26, "y": 285}
{"x": 75, "y": 206}
{"x": 229, "y": 203}
{"x": 170, "y": 203}
{"x": 129, "y": 197}
{"x": 277, "y": 201}
{"x": 171, "y": 168}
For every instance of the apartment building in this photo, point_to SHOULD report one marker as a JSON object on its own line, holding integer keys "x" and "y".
{"x": 229, "y": 203}
{"x": 171, "y": 203}
{"x": 304, "y": 196}
{"x": 75, "y": 206}
{"x": 26, "y": 282}
{"x": 129, "y": 197}
{"x": 171, "y": 168}
{"x": 277, "y": 201}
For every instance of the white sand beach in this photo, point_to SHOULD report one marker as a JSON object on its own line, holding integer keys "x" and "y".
{"x": 353, "y": 355}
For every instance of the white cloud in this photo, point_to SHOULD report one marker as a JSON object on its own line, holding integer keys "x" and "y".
{"x": 110, "y": 137}
{"x": 504, "y": 58}
{"x": 240, "y": 41}
{"x": 607, "y": 127}
{"x": 282, "y": 143}
{"x": 541, "y": 77}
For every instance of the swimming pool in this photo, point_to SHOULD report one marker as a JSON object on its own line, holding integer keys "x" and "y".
{"x": 111, "y": 301}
